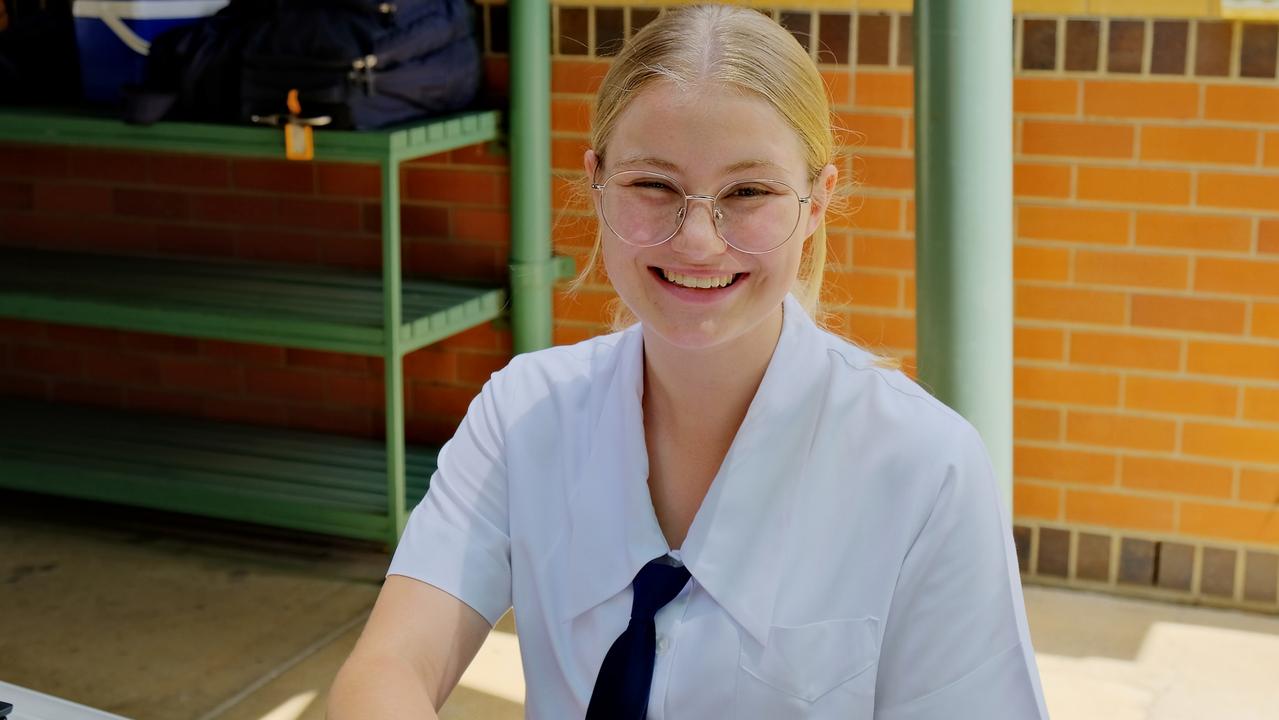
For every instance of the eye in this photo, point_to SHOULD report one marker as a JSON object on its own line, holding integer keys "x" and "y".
{"x": 749, "y": 190}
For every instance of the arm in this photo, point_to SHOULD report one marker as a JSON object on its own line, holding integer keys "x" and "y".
{"x": 416, "y": 645}
{"x": 956, "y": 645}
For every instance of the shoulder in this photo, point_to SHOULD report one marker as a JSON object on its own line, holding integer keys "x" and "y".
{"x": 533, "y": 377}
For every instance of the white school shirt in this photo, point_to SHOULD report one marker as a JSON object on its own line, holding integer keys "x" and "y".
{"x": 851, "y": 559}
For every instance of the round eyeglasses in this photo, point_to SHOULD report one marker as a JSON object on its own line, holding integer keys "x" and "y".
{"x": 752, "y": 216}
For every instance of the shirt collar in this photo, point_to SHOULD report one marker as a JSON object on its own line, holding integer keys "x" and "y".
{"x": 736, "y": 546}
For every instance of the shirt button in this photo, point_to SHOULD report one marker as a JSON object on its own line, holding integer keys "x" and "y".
{"x": 662, "y": 644}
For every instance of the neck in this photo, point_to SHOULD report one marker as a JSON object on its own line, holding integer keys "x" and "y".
{"x": 705, "y": 393}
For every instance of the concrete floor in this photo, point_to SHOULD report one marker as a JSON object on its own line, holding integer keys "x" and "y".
{"x": 162, "y": 617}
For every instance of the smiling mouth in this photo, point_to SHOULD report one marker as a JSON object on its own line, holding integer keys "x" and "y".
{"x": 697, "y": 283}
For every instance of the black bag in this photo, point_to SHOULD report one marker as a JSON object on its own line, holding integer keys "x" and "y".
{"x": 365, "y": 64}
{"x": 38, "y": 59}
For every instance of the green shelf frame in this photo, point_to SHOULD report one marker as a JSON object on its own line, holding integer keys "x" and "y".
{"x": 327, "y": 309}
{"x": 286, "y": 478}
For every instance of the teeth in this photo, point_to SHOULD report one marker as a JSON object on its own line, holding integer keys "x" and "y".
{"x": 698, "y": 282}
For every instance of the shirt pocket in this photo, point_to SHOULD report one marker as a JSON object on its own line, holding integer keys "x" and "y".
{"x": 816, "y": 671}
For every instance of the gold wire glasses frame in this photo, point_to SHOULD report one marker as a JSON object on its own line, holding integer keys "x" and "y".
{"x": 651, "y": 200}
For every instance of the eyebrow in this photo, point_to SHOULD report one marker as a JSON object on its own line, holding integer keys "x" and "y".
{"x": 672, "y": 167}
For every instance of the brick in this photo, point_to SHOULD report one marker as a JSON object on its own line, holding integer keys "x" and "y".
{"x": 488, "y": 154}
{"x": 838, "y": 87}
{"x": 319, "y": 214}
{"x": 17, "y": 196}
{"x": 1218, "y": 577}
{"x": 1141, "y": 99}
{"x": 198, "y": 240}
{"x": 441, "y": 399}
{"x": 1108, "y": 227}
{"x": 570, "y": 115}
{"x": 1134, "y": 185}
{"x": 1268, "y": 237}
{"x": 1086, "y": 306}
{"x": 1124, "y": 351}
{"x": 1265, "y": 319}
{"x": 1176, "y": 476}
{"x": 881, "y": 252}
{"x": 1045, "y": 96}
{"x": 1039, "y": 343}
{"x": 883, "y": 171}
{"x": 1259, "y": 486}
{"x": 193, "y": 171}
{"x": 1036, "y": 423}
{"x": 1077, "y": 139}
{"x": 470, "y": 186}
{"x": 123, "y": 369}
{"x": 1118, "y": 511}
{"x": 82, "y": 336}
{"x": 1062, "y": 465}
{"x": 862, "y": 288}
{"x": 198, "y": 374}
{"x": 1270, "y": 154}
{"x": 1261, "y": 571}
{"x": 151, "y": 204}
{"x": 351, "y": 180}
{"x": 1120, "y": 431}
{"x": 1221, "y": 146}
{"x": 285, "y": 384}
{"x": 872, "y": 213}
{"x": 585, "y": 306}
{"x": 1187, "y": 313}
{"x": 1243, "y": 103}
{"x": 481, "y": 224}
{"x": 577, "y": 76}
{"x": 1238, "y": 277}
{"x": 1235, "y": 190}
{"x": 1021, "y": 540}
{"x": 1136, "y": 561}
{"x": 153, "y": 343}
{"x": 883, "y": 331}
{"x": 1092, "y": 557}
{"x": 1054, "y": 552}
{"x": 26, "y": 162}
{"x": 1080, "y": 387}
{"x": 231, "y": 208}
{"x": 44, "y": 360}
{"x": 1129, "y": 269}
{"x": 419, "y": 221}
{"x": 1180, "y": 396}
{"x": 567, "y": 153}
{"x": 1260, "y": 403}
{"x": 243, "y": 352}
{"x": 74, "y": 198}
{"x": 1041, "y": 180}
{"x": 571, "y": 193}
{"x": 297, "y": 357}
{"x": 355, "y": 392}
{"x": 1202, "y": 232}
{"x": 80, "y": 393}
{"x": 1232, "y": 442}
{"x": 1032, "y": 262}
{"x": 1233, "y": 359}
{"x": 280, "y": 176}
{"x": 875, "y": 130}
{"x": 888, "y": 89}
{"x": 1176, "y": 567}
{"x": 476, "y": 369}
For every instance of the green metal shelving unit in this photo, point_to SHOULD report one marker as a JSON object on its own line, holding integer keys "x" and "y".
{"x": 301, "y": 480}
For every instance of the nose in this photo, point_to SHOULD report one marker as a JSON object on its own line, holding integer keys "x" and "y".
{"x": 697, "y": 237}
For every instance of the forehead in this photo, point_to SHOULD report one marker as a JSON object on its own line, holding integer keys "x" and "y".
{"x": 705, "y": 128}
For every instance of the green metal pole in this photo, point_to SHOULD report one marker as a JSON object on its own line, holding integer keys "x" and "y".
{"x": 533, "y": 271}
{"x": 393, "y": 353}
{"x": 963, "y": 161}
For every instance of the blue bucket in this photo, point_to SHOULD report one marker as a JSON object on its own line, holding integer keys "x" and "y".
{"x": 114, "y": 37}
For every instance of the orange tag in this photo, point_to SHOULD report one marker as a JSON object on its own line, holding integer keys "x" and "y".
{"x": 299, "y": 142}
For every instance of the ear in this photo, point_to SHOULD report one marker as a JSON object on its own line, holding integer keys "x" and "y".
{"x": 591, "y": 163}
{"x": 823, "y": 190}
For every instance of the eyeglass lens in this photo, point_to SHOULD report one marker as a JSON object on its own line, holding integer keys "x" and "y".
{"x": 646, "y": 209}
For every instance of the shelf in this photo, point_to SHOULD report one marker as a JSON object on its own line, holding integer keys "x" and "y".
{"x": 300, "y": 480}
{"x": 304, "y": 307}
{"x": 85, "y": 129}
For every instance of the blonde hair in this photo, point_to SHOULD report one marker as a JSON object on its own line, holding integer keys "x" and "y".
{"x": 742, "y": 48}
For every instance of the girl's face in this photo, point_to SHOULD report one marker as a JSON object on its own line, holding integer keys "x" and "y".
{"x": 704, "y": 137}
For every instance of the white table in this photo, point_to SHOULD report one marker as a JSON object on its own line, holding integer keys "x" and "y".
{"x": 32, "y": 705}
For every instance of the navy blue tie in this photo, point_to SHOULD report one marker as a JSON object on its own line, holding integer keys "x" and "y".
{"x": 622, "y": 687}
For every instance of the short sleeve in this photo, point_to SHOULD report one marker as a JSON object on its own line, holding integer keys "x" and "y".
{"x": 458, "y": 537}
{"x": 956, "y": 644}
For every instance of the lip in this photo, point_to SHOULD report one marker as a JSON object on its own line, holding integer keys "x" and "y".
{"x": 698, "y": 295}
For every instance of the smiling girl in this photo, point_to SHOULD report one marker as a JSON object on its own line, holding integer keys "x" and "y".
{"x": 722, "y": 510}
